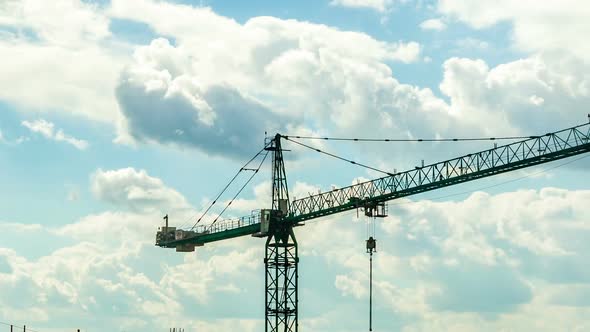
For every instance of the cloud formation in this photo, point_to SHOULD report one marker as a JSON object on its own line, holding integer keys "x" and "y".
{"x": 281, "y": 73}
{"x": 59, "y": 56}
{"x": 549, "y": 26}
{"x": 47, "y": 130}
{"x": 218, "y": 119}
{"x": 433, "y": 24}
{"x": 135, "y": 190}
{"x": 378, "y": 5}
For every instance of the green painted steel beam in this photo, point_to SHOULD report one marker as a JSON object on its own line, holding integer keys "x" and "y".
{"x": 216, "y": 236}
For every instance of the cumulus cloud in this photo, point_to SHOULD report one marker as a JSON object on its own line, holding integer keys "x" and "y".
{"x": 549, "y": 26}
{"x": 472, "y": 44}
{"x": 309, "y": 76}
{"x": 47, "y": 130}
{"x": 135, "y": 190}
{"x": 510, "y": 94}
{"x": 90, "y": 23}
{"x": 217, "y": 119}
{"x": 378, "y": 5}
{"x": 106, "y": 263}
{"x": 433, "y": 24}
{"x": 281, "y": 73}
{"x": 99, "y": 281}
{"x": 67, "y": 64}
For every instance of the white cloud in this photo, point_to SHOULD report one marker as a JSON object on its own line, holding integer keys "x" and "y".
{"x": 217, "y": 119}
{"x": 100, "y": 280}
{"x": 537, "y": 27}
{"x": 68, "y": 64}
{"x": 310, "y": 72}
{"x": 40, "y": 126}
{"x": 433, "y": 24}
{"x": 136, "y": 190}
{"x": 378, "y": 5}
{"x": 275, "y": 70}
{"x": 47, "y": 130}
{"x": 472, "y": 44}
{"x": 306, "y": 75}
{"x": 79, "y": 21}
{"x": 327, "y": 81}
{"x": 502, "y": 95}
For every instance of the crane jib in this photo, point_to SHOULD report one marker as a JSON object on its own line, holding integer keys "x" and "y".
{"x": 530, "y": 152}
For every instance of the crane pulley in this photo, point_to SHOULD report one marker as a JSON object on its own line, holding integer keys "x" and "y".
{"x": 276, "y": 224}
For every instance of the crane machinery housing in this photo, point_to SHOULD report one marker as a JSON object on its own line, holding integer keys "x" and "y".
{"x": 276, "y": 224}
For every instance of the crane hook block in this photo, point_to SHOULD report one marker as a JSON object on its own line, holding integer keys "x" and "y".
{"x": 371, "y": 245}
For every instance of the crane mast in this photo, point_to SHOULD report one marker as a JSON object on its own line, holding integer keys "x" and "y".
{"x": 276, "y": 224}
{"x": 281, "y": 260}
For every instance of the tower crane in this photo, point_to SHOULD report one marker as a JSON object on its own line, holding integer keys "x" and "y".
{"x": 276, "y": 224}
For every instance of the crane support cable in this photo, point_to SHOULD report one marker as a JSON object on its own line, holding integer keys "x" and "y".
{"x": 338, "y": 157}
{"x": 243, "y": 168}
{"x": 255, "y": 171}
{"x": 463, "y": 139}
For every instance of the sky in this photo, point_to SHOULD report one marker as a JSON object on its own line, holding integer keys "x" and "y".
{"x": 114, "y": 113}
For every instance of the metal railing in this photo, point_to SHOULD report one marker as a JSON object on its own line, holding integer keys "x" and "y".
{"x": 229, "y": 224}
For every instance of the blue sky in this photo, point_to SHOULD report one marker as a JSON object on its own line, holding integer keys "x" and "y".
{"x": 114, "y": 113}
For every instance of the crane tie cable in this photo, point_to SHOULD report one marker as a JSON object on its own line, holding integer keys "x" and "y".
{"x": 243, "y": 168}
{"x": 255, "y": 171}
{"x": 344, "y": 159}
{"x": 410, "y": 139}
{"x": 338, "y": 157}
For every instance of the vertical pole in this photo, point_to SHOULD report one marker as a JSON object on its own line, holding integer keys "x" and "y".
{"x": 371, "y": 292}
{"x": 10, "y": 328}
{"x": 25, "y": 328}
{"x": 371, "y": 248}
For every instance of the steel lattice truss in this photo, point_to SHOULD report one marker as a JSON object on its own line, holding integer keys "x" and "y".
{"x": 281, "y": 283}
{"x": 538, "y": 150}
